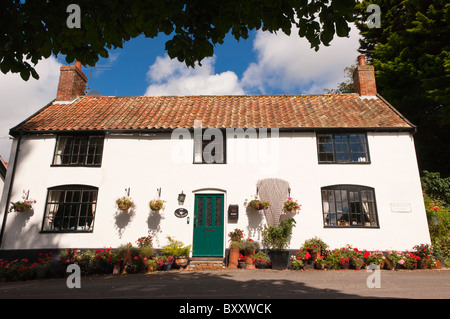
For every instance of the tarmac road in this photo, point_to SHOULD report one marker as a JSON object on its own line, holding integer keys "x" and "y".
{"x": 242, "y": 284}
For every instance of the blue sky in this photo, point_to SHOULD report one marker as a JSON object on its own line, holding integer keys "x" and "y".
{"x": 265, "y": 63}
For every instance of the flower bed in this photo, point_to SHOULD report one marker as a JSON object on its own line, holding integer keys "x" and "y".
{"x": 142, "y": 259}
{"x": 349, "y": 257}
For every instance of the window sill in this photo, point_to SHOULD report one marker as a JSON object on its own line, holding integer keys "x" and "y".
{"x": 350, "y": 226}
{"x": 90, "y": 166}
{"x": 347, "y": 163}
{"x": 65, "y": 231}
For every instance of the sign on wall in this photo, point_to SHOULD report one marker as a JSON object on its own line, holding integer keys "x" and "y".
{"x": 181, "y": 212}
{"x": 401, "y": 207}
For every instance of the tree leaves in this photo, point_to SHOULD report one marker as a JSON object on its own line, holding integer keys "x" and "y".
{"x": 411, "y": 55}
{"x": 32, "y": 30}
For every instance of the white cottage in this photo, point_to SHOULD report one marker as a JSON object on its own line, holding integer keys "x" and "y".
{"x": 348, "y": 159}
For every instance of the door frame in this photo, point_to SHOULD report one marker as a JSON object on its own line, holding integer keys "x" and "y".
{"x": 212, "y": 191}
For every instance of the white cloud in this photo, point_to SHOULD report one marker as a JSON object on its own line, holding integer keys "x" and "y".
{"x": 170, "y": 77}
{"x": 287, "y": 63}
{"x": 284, "y": 65}
{"x": 23, "y": 98}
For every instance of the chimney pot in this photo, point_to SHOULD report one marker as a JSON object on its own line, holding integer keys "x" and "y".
{"x": 362, "y": 60}
{"x": 78, "y": 64}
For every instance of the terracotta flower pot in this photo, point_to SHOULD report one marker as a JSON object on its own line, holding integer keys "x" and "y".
{"x": 181, "y": 261}
{"x": 116, "y": 269}
{"x": 233, "y": 258}
{"x": 250, "y": 263}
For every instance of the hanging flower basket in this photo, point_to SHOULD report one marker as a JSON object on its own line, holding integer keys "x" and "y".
{"x": 157, "y": 204}
{"x": 23, "y": 206}
{"x": 124, "y": 203}
{"x": 257, "y": 204}
{"x": 291, "y": 206}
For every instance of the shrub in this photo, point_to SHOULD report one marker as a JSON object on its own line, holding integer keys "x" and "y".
{"x": 175, "y": 248}
{"x": 248, "y": 245}
{"x": 277, "y": 237}
{"x": 438, "y": 216}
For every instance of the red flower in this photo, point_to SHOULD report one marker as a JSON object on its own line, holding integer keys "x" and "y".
{"x": 307, "y": 255}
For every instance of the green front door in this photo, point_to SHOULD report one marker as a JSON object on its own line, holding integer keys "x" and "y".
{"x": 208, "y": 225}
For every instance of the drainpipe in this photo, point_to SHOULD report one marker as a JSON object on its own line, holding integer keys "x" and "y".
{"x": 11, "y": 182}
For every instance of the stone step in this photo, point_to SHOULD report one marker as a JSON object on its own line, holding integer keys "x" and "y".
{"x": 204, "y": 263}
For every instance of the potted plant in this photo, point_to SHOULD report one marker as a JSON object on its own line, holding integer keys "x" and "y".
{"x": 106, "y": 258}
{"x": 332, "y": 260}
{"x": 242, "y": 261}
{"x": 177, "y": 251}
{"x": 257, "y": 204}
{"x": 291, "y": 206}
{"x": 425, "y": 252}
{"x": 277, "y": 238}
{"x": 136, "y": 264}
{"x": 303, "y": 258}
{"x": 410, "y": 260}
{"x": 164, "y": 262}
{"x": 235, "y": 236}
{"x": 144, "y": 241}
{"x": 262, "y": 260}
{"x": 249, "y": 247}
{"x": 124, "y": 203}
{"x": 296, "y": 263}
{"x": 319, "y": 262}
{"x": 23, "y": 206}
{"x": 315, "y": 246}
{"x": 374, "y": 258}
{"x": 392, "y": 259}
{"x": 157, "y": 204}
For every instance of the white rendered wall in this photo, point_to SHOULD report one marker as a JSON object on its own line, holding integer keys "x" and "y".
{"x": 146, "y": 163}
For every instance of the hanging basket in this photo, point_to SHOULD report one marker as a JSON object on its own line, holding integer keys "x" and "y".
{"x": 257, "y": 204}
{"x": 157, "y": 204}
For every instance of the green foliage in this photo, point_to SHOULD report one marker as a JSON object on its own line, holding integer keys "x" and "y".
{"x": 278, "y": 237}
{"x": 248, "y": 245}
{"x": 438, "y": 216}
{"x": 411, "y": 56}
{"x": 175, "y": 248}
{"x": 347, "y": 86}
{"x": 436, "y": 186}
{"x": 236, "y": 235}
{"x": 261, "y": 258}
{"x": 32, "y": 30}
{"x": 315, "y": 244}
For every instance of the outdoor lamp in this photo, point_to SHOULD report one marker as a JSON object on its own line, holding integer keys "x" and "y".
{"x": 181, "y": 198}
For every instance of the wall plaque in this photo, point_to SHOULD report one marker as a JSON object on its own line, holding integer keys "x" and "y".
{"x": 181, "y": 212}
{"x": 401, "y": 207}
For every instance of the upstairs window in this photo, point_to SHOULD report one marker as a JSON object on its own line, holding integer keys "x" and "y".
{"x": 78, "y": 150}
{"x": 342, "y": 148}
{"x": 70, "y": 208}
{"x": 209, "y": 146}
{"x": 349, "y": 206}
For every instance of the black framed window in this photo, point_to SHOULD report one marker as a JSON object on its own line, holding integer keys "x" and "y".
{"x": 78, "y": 150}
{"x": 209, "y": 147}
{"x": 343, "y": 148}
{"x": 70, "y": 208}
{"x": 349, "y": 206}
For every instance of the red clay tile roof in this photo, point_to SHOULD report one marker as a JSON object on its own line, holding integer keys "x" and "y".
{"x": 249, "y": 111}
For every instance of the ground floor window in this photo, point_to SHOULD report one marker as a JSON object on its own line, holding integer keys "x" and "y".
{"x": 349, "y": 206}
{"x": 70, "y": 208}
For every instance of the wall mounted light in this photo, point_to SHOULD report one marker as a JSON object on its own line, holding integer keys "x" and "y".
{"x": 181, "y": 198}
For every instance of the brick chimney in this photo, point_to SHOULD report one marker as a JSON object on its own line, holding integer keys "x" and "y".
{"x": 72, "y": 82}
{"x": 364, "y": 78}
